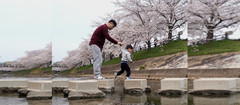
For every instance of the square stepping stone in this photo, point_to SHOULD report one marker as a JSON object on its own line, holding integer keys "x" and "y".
{"x": 135, "y": 83}
{"x": 83, "y": 85}
{"x": 62, "y": 83}
{"x": 174, "y": 84}
{"x": 215, "y": 84}
{"x": 40, "y": 85}
{"x": 13, "y": 83}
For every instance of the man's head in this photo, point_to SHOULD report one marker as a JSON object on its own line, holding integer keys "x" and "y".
{"x": 111, "y": 24}
{"x": 129, "y": 48}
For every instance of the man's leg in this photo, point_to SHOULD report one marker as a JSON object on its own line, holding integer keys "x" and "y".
{"x": 97, "y": 60}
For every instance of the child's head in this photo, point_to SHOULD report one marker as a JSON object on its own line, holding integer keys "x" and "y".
{"x": 129, "y": 48}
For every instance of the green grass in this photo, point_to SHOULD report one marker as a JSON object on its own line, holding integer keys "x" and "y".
{"x": 215, "y": 47}
{"x": 171, "y": 48}
{"x": 32, "y": 70}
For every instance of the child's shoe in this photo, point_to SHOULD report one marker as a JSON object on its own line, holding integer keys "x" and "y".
{"x": 115, "y": 75}
{"x": 128, "y": 78}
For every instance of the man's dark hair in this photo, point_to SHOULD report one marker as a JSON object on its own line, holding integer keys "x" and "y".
{"x": 114, "y": 22}
{"x": 129, "y": 46}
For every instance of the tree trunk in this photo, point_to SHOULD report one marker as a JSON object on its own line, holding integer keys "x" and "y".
{"x": 209, "y": 35}
{"x": 170, "y": 33}
{"x": 149, "y": 44}
{"x": 111, "y": 56}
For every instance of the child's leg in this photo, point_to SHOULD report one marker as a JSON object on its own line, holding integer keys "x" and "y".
{"x": 122, "y": 70}
{"x": 128, "y": 70}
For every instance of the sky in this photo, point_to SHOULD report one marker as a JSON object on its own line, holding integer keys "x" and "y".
{"x": 27, "y": 25}
{"x": 32, "y": 24}
{"x": 72, "y": 20}
{"x": 24, "y": 25}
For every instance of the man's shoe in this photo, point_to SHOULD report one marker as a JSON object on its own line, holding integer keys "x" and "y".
{"x": 99, "y": 78}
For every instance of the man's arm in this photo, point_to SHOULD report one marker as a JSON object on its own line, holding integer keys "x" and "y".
{"x": 108, "y": 37}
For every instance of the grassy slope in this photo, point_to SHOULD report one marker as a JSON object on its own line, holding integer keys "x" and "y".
{"x": 216, "y": 47}
{"x": 34, "y": 71}
{"x": 171, "y": 48}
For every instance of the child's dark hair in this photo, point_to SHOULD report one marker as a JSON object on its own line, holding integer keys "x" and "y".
{"x": 113, "y": 21}
{"x": 129, "y": 46}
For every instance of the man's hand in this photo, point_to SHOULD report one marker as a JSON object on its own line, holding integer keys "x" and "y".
{"x": 119, "y": 43}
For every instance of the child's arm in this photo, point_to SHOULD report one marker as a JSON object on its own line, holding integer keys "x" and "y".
{"x": 121, "y": 49}
{"x": 129, "y": 57}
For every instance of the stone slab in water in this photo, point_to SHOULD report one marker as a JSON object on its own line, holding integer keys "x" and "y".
{"x": 13, "y": 83}
{"x": 83, "y": 85}
{"x": 135, "y": 83}
{"x": 174, "y": 84}
{"x": 85, "y": 94}
{"x": 135, "y": 86}
{"x": 83, "y": 89}
{"x": 62, "y": 83}
{"x": 106, "y": 85}
{"x": 40, "y": 85}
{"x": 214, "y": 84}
{"x": 39, "y": 95}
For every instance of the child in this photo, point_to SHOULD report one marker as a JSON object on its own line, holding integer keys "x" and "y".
{"x": 126, "y": 56}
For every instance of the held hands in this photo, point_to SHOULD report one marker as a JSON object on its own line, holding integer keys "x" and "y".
{"x": 119, "y": 43}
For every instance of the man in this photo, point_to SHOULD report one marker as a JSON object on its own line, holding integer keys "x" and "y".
{"x": 97, "y": 41}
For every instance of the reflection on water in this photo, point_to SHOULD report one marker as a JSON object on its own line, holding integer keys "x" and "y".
{"x": 181, "y": 100}
{"x": 119, "y": 98}
{"x": 124, "y": 99}
{"x": 230, "y": 100}
{"x": 12, "y": 99}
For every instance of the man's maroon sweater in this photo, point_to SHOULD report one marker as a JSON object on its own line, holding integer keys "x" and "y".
{"x": 99, "y": 35}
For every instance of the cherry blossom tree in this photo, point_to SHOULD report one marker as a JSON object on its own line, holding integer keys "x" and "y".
{"x": 211, "y": 16}
{"x": 37, "y": 58}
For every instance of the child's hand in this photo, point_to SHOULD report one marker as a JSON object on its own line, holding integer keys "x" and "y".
{"x": 132, "y": 62}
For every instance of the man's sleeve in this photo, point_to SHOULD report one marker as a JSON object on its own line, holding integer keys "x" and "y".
{"x": 108, "y": 37}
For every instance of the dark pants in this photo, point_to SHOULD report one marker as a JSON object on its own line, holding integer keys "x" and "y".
{"x": 124, "y": 66}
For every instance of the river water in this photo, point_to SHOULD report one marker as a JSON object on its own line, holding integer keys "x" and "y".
{"x": 119, "y": 98}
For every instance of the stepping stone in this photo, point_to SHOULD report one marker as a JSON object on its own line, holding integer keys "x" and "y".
{"x": 215, "y": 84}
{"x": 13, "y": 83}
{"x": 173, "y": 86}
{"x": 40, "y": 89}
{"x": 83, "y": 89}
{"x": 61, "y": 83}
{"x": 40, "y": 85}
{"x": 106, "y": 85}
{"x": 83, "y": 85}
{"x": 135, "y": 86}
